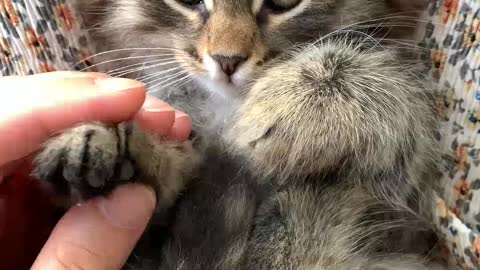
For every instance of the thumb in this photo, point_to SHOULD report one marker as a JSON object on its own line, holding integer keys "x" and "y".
{"x": 101, "y": 233}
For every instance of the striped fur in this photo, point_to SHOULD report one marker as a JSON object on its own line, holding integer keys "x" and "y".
{"x": 315, "y": 153}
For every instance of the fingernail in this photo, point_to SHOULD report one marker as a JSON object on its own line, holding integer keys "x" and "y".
{"x": 118, "y": 84}
{"x": 180, "y": 114}
{"x": 99, "y": 75}
{"x": 129, "y": 206}
{"x": 173, "y": 135}
{"x": 153, "y": 104}
{"x": 70, "y": 74}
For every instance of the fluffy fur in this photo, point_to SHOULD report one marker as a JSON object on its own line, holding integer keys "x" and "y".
{"x": 316, "y": 153}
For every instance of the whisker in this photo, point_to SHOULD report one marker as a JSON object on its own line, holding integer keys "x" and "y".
{"x": 156, "y": 74}
{"x": 164, "y": 80}
{"x": 185, "y": 82}
{"x": 141, "y": 66}
{"x": 141, "y": 63}
{"x": 181, "y": 81}
{"x": 174, "y": 83}
{"x": 403, "y": 18}
{"x": 170, "y": 50}
{"x": 122, "y": 59}
{"x": 378, "y": 19}
{"x": 138, "y": 49}
{"x": 93, "y": 13}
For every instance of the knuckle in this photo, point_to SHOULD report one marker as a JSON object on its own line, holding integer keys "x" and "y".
{"x": 73, "y": 256}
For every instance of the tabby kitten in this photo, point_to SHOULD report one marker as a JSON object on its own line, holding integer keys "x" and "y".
{"x": 314, "y": 141}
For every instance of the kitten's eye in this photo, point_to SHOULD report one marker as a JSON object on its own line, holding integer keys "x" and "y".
{"x": 279, "y": 6}
{"x": 191, "y": 3}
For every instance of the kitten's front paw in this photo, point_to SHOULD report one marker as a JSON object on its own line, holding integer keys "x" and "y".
{"x": 84, "y": 161}
{"x": 330, "y": 104}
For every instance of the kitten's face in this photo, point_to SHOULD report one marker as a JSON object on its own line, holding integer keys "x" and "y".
{"x": 225, "y": 42}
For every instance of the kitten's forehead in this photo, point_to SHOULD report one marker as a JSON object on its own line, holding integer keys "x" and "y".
{"x": 242, "y": 7}
{"x": 230, "y": 6}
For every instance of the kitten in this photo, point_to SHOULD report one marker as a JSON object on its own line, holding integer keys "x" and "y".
{"x": 314, "y": 143}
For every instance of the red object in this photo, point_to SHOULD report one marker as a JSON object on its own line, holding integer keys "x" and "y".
{"x": 26, "y": 220}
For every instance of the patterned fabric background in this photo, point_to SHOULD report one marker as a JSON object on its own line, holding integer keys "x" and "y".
{"x": 45, "y": 35}
{"x": 452, "y": 37}
{"x": 40, "y": 36}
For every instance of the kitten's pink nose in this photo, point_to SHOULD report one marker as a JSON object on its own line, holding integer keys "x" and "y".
{"x": 229, "y": 64}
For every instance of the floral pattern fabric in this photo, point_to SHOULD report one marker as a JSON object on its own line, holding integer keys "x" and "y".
{"x": 451, "y": 35}
{"x": 45, "y": 35}
{"x": 39, "y": 36}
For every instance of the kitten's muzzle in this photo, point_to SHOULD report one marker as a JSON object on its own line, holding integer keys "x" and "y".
{"x": 229, "y": 64}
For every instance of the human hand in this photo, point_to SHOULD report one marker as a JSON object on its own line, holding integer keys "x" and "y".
{"x": 33, "y": 108}
{"x": 101, "y": 233}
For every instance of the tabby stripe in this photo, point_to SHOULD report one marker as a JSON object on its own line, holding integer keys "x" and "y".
{"x": 85, "y": 155}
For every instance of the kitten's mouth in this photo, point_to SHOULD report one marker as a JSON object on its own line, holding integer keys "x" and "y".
{"x": 227, "y": 70}
{"x": 226, "y": 75}
{"x": 225, "y": 88}
{"x": 227, "y": 82}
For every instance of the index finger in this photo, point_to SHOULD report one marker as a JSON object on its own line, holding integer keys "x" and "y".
{"x": 33, "y": 109}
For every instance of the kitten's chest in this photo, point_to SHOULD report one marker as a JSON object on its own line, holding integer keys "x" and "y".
{"x": 210, "y": 113}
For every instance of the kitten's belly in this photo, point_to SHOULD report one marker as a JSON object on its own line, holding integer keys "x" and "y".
{"x": 216, "y": 209}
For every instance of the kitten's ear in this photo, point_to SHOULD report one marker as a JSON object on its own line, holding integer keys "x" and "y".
{"x": 91, "y": 11}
